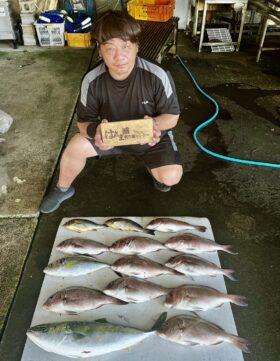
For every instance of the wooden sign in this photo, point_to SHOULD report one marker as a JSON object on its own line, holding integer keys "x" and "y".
{"x": 127, "y": 132}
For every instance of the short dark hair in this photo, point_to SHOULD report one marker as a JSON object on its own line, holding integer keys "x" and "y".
{"x": 116, "y": 24}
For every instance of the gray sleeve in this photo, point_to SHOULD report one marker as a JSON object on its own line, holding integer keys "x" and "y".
{"x": 165, "y": 96}
{"x": 87, "y": 107}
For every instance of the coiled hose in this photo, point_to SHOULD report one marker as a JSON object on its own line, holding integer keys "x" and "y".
{"x": 212, "y": 118}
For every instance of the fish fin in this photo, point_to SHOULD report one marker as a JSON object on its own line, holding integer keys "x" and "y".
{"x": 193, "y": 344}
{"x": 229, "y": 249}
{"x": 159, "y": 321}
{"x": 229, "y": 273}
{"x": 101, "y": 320}
{"x": 194, "y": 313}
{"x": 200, "y": 228}
{"x": 78, "y": 335}
{"x": 238, "y": 300}
{"x": 240, "y": 343}
{"x": 149, "y": 231}
{"x": 71, "y": 313}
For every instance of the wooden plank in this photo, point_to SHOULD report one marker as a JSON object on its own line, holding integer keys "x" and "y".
{"x": 127, "y": 132}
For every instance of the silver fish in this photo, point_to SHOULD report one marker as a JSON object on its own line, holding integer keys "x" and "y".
{"x": 191, "y": 243}
{"x": 192, "y": 331}
{"x": 75, "y": 300}
{"x": 80, "y": 246}
{"x": 199, "y": 298}
{"x": 140, "y": 267}
{"x": 134, "y": 290}
{"x": 82, "y": 225}
{"x": 74, "y": 266}
{"x": 196, "y": 266}
{"x": 136, "y": 245}
{"x": 172, "y": 225}
{"x": 125, "y": 224}
{"x": 85, "y": 339}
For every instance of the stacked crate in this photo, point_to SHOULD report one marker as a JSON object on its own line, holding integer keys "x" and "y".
{"x": 27, "y": 14}
{"x": 151, "y": 10}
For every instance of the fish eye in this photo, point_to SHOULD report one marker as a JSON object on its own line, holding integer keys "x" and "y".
{"x": 44, "y": 329}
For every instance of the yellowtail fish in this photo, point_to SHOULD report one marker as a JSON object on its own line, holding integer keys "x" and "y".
{"x": 87, "y": 339}
{"x": 74, "y": 266}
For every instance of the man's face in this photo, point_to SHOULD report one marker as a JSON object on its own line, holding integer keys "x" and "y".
{"x": 119, "y": 56}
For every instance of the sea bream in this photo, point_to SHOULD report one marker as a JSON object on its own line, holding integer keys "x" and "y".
{"x": 140, "y": 267}
{"x": 136, "y": 245}
{"x": 134, "y": 290}
{"x": 74, "y": 266}
{"x": 81, "y": 246}
{"x": 164, "y": 224}
{"x": 75, "y": 300}
{"x": 191, "y": 243}
{"x": 199, "y": 298}
{"x": 194, "y": 331}
{"x": 192, "y": 265}
{"x": 82, "y": 225}
{"x": 125, "y": 224}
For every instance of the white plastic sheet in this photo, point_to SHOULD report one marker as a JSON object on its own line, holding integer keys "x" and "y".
{"x": 142, "y": 315}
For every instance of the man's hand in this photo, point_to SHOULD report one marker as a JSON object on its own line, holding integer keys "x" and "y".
{"x": 98, "y": 137}
{"x": 156, "y": 132}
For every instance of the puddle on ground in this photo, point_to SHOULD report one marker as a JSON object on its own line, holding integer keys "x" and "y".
{"x": 246, "y": 97}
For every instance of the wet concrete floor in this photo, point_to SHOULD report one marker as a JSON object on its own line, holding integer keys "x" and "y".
{"x": 241, "y": 202}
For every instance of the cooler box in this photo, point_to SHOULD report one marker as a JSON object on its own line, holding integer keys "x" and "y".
{"x": 78, "y": 40}
{"x": 50, "y": 34}
{"x": 140, "y": 10}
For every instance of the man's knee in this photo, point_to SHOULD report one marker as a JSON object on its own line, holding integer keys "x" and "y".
{"x": 170, "y": 175}
{"x": 79, "y": 146}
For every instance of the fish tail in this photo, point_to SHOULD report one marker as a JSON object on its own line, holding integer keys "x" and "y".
{"x": 238, "y": 300}
{"x": 240, "y": 343}
{"x": 229, "y": 249}
{"x": 229, "y": 273}
{"x": 200, "y": 228}
{"x": 162, "y": 317}
{"x": 149, "y": 231}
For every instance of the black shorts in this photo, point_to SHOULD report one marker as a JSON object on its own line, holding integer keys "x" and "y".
{"x": 165, "y": 152}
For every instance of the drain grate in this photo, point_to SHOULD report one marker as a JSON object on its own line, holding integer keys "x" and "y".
{"x": 220, "y": 35}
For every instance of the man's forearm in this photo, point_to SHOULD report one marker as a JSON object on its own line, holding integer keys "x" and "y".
{"x": 166, "y": 121}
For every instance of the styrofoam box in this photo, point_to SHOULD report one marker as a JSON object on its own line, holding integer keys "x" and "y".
{"x": 50, "y": 34}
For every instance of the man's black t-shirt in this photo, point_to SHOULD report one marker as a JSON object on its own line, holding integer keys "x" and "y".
{"x": 148, "y": 90}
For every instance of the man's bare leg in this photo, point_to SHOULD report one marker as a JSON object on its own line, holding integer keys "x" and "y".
{"x": 72, "y": 163}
